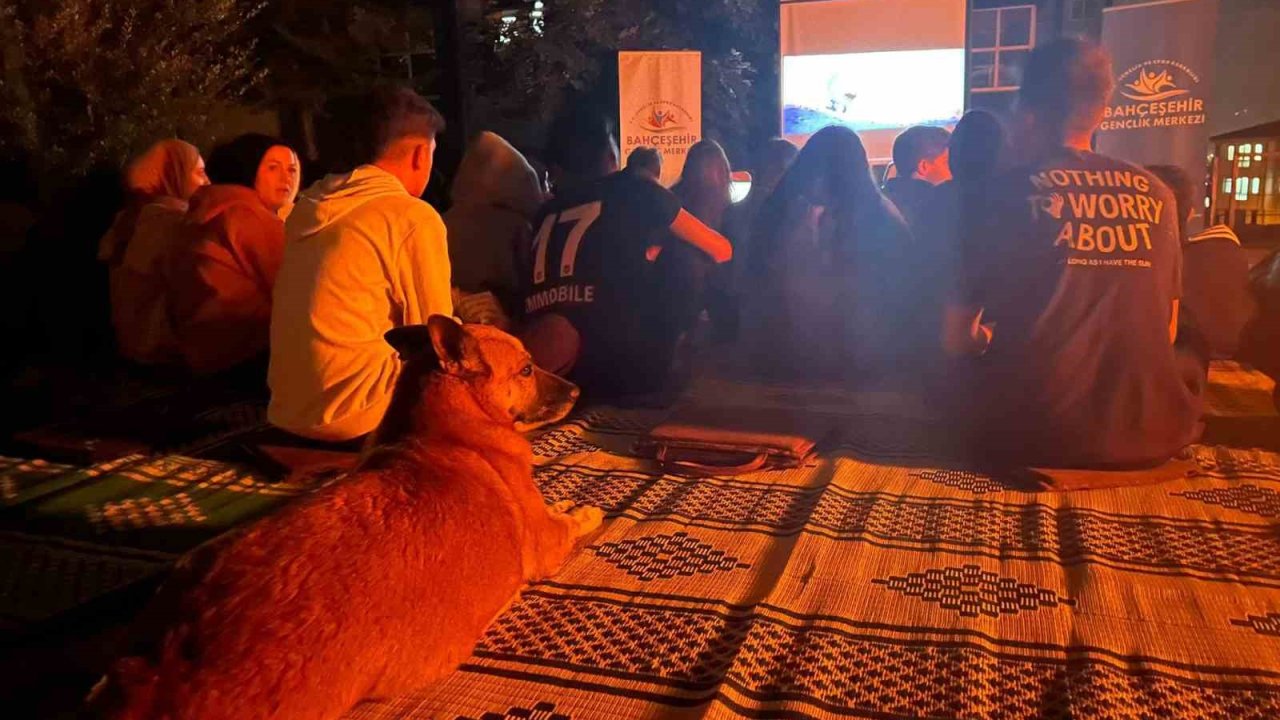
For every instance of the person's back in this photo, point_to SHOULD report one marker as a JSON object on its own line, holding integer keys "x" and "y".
{"x": 770, "y": 165}
{"x": 1215, "y": 289}
{"x": 363, "y": 255}
{"x": 591, "y": 266}
{"x": 495, "y": 196}
{"x": 822, "y": 290}
{"x": 139, "y": 247}
{"x": 1075, "y": 263}
{"x": 221, "y": 277}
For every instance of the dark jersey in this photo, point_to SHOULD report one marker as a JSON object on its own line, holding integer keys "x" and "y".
{"x": 589, "y": 265}
{"x": 589, "y": 250}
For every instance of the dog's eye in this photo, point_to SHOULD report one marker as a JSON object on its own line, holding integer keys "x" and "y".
{"x": 527, "y": 371}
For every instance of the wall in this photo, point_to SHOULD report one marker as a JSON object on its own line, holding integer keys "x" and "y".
{"x": 1246, "y": 83}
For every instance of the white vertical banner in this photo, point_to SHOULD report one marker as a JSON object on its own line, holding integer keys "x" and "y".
{"x": 660, "y": 105}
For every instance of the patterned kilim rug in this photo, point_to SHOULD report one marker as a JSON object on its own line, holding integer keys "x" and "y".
{"x": 877, "y": 586}
{"x": 880, "y": 583}
{"x": 69, "y": 535}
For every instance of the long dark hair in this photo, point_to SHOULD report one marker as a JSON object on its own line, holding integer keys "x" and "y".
{"x": 977, "y": 147}
{"x": 831, "y": 170}
{"x": 236, "y": 162}
{"x": 707, "y": 203}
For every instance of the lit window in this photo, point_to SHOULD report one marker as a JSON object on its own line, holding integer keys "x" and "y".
{"x": 1226, "y": 186}
{"x": 1245, "y": 161}
{"x": 1231, "y": 152}
{"x": 1206, "y": 201}
{"x": 1242, "y": 189}
{"x": 1256, "y": 184}
{"x": 1257, "y": 147}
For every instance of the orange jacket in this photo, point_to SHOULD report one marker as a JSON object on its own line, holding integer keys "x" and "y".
{"x": 220, "y": 296}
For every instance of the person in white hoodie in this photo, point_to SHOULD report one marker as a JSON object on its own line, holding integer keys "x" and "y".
{"x": 363, "y": 254}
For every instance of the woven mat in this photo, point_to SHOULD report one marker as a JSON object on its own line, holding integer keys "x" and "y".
{"x": 875, "y": 585}
{"x": 69, "y": 535}
{"x": 879, "y": 583}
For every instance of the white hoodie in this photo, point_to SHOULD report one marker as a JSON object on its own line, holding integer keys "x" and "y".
{"x": 361, "y": 256}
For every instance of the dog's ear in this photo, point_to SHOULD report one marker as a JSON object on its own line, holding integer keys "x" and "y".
{"x": 457, "y": 351}
{"x": 410, "y": 341}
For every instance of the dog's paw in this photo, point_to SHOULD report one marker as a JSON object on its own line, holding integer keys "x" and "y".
{"x": 560, "y": 508}
{"x": 588, "y": 519}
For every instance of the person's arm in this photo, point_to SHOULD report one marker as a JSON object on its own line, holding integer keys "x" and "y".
{"x": 693, "y": 231}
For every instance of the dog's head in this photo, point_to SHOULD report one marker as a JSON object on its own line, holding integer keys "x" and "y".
{"x": 495, "y": 368}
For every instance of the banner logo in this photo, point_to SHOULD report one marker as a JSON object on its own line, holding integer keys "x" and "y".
{"x": 1150, "y": 86}
{"x": 1156, "y": 93}
{"x": 662, "y": 117}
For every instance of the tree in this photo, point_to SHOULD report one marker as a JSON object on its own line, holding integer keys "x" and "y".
{"x": 534, "y": 65}
{"x": 316, "y": 50}
{"x": 90, "y": 81}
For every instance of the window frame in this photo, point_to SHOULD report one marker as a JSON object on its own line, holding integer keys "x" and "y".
{"x": 998, "y": 48}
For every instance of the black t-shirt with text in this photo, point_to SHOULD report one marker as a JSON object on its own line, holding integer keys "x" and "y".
{"x": 588, "y": 258}
{"x": 1076, "y": 260}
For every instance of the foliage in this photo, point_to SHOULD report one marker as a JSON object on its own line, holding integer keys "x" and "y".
{"x": 87, "y": 82}
{"x": 316, "y": 49}
{"x": 531, "y": 73}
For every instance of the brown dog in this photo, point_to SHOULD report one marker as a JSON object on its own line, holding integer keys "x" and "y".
{"x": 382, "y": 582}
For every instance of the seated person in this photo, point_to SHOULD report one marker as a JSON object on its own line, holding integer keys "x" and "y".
{"x": 139, "y": 247}
{"x": 495, "y": 195}
{"x": 975, "y": 151}
{"x": 645, "y": 162}
{"x": 920, "y": 157}
{"x": 1074, "y": 266}
{"x": 363, "y": 255}
{"x": 590, "y": 265}
{"x": 222, "y": 279}
{"x": 823, "y": 292}
{"x": 771, "y": 162}
{"x": 704, "y": 191}
{"x": 1215, "y": 278}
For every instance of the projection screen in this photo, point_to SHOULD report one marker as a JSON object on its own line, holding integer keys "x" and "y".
{"x": 876, "y": 66}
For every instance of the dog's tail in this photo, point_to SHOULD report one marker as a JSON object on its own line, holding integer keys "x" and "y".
{"x": 126, "y": 692}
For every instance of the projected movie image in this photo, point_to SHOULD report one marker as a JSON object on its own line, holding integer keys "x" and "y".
{"x": 872, "y": 90}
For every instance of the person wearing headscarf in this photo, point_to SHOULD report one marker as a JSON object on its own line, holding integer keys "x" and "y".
{"x": 222, "y": 280}
{"x": 140, "y": 243}
{"x": 495, "y": 195}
